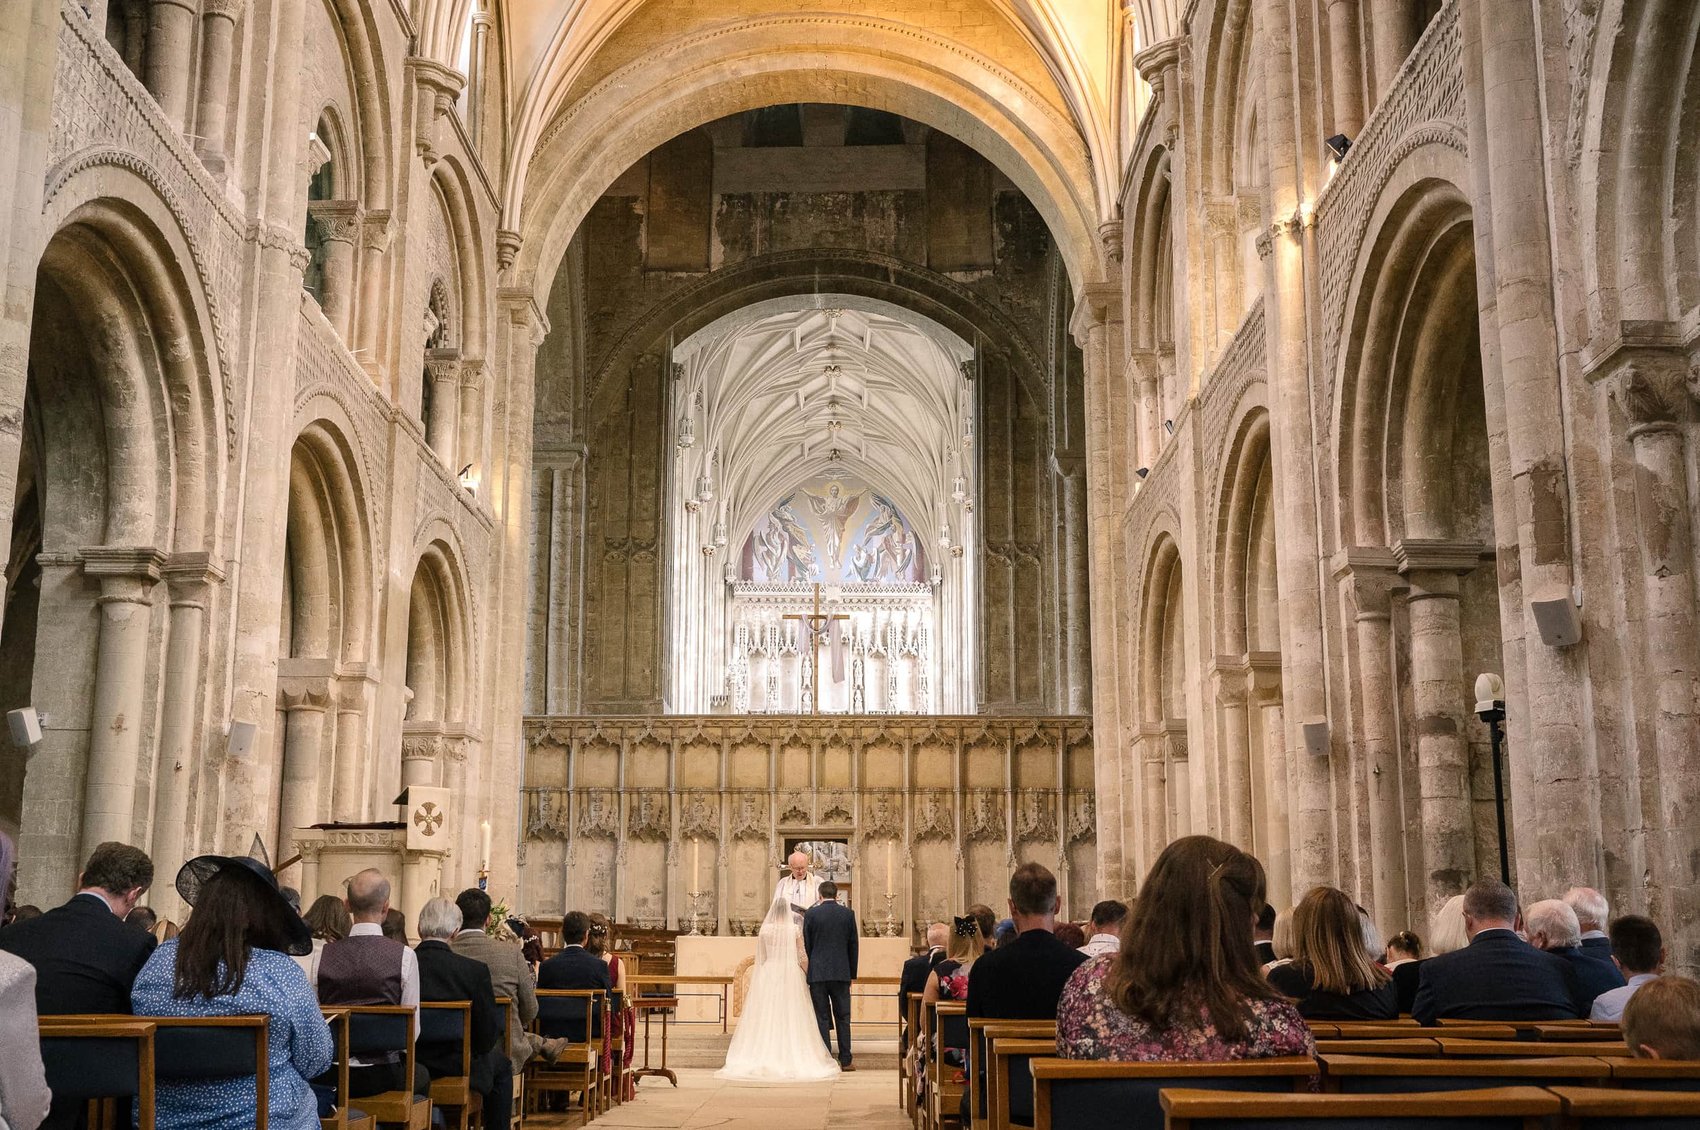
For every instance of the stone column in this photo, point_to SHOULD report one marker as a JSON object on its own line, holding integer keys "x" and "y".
{"x": 135, "y": 15}
{"x": 1651, "y": 389}
{"x": 1556, "y": 765}
{"x": 1369, "y": 578}
{"x": 1154, "y": 801}
{"x": 1344, "y": 69}
{"x": 469, "y": 443}
{"x": 338, "y": 224}
{"x": 1076, "y": 603}
{"x": 436, "y": 87}
{"x": 127, "y": 576}
{"x": 171, "y": 44}
{"x": 190, "y": 577}
{"x": 1231, "y": 696}
{"x": 218, "y": 34}
{"x": 1437, "y": 702}
{"x": 371, "y": 316}
{"x": 442, "y": 369}
{"x": 348, "y": 797}
{"x": 1393, "y": 29}
{"x": 304, "y": 703}
{"x": 1266, "y": 702}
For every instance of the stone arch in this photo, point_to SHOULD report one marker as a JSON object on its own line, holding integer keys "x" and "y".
{"x": 1152, "y": 305}
{"x": 862, "y": 62}
{"x": 438, "y": 638}
{"x": 366, "y": 127}
{"x": 1225, "y": 89}
{"x": 1641, "y": 144}
{"x": 1416, "y": 484}
{"x": 343, "y": 173}
{"x": 1161, "y": 647}
{"x": 469, "y": 252}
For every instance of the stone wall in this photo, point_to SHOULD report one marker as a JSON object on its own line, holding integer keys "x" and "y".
{"x": 618, "y": 811}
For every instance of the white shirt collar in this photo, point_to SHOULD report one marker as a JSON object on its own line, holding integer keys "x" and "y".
{"x": 366, "y": 930}
{"x": 1636, "y": 980}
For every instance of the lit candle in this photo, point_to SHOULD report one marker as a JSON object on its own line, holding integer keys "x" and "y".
{"x": 889, "y": 846}
{"x": 696, "y": 859}
{"x": 485, "y": 866}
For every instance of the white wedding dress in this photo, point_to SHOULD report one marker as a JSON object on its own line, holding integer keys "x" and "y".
{"x": 777, "y": 1039}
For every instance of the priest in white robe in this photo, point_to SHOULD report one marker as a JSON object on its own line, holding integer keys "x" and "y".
{"x": 799, "y": 886}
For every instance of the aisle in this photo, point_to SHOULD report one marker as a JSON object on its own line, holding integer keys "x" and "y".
{"x": 864, "y": 1099}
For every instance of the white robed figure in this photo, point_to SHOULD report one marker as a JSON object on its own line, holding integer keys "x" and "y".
{"x": 777, "y": 1039}
{"x": 799, "y": 886}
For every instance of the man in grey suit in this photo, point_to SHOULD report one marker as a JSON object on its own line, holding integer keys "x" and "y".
{"x": 829, "y": 940}
{"x": 510, "y": 976}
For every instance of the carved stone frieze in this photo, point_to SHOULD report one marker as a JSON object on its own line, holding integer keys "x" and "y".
{"x": 1082, "y": 818}
{"x": 649, "y": 816}
{"x": 699, "y": 816}
{"x": 882, "y": 813}
{"x": 1035, "y": 816}
{"x": 794, "y": 808}
{"x": 985, "y": 815}
{"x": 935, "y": 818}
{"x": 546, "y": 814}
{"x": 838, "y": 807}
{"x": 598, "y": 814}
{"x": 748, "y": 817}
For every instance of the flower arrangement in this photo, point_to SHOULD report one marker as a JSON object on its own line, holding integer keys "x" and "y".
{"x": 497, "y": 926}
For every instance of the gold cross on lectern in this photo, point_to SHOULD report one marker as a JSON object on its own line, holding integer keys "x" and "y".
{"x": 816, "y": 623}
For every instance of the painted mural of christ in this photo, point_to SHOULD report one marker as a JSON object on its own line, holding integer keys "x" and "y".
{"x": 834, "y": 509}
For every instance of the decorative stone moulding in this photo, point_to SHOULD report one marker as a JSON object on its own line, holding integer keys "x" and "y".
{"x": 650, "y": 816}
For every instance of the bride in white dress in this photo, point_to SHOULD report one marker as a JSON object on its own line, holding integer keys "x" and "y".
{"x": 777, "y": 1039}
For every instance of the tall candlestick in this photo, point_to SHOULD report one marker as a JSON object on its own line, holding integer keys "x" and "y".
{"x": 889, "y": 849}
{"x": 696, "y": 859}
{"x": 486, "y": 830}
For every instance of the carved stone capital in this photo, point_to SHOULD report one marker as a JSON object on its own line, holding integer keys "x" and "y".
{"x": 1436, "y": 555}
{"x": 1653, "y": 390}
{"x": 190, "y": 574}
{"x": 1371, "y": 574}
{"x": 443, "y": 366}
{"x": 507, "y": 247}
{"x": 227, "y": 9}
{"x": 126, "y": 573}
{"x": 1231, "y": 683}
{"x": 1110, "y": 241}
{"x": 337, "y": 221}
{"x": 472, "y": 373}
{"x": 375, "y": 232}
{"x": 303, "y": 696}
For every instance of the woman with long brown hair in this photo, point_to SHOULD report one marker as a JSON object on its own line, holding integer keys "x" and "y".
{"x": 600, "y": 943}
{"x": 1186, "y": 984}
{"x": 1332, "y": 975}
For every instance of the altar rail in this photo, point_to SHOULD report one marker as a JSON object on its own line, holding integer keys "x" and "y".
{"x": 649, "y": 819}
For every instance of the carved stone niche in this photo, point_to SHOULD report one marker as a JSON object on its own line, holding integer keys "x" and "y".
{"x": 650, "y": 817}
{"x": 748, "y": 817}
{"x": 1035, "y": 816}
{"x": 699, "y": 816}
{"x": 598, "y": 814}
{"x": 794, "y": 808}
{"x": 837, "y": 807}
{"x": 985, "y": 816}
{"x": 882, "y": 814}
{"x": 934, "y": 818}
{"x": 1082, "y": 818}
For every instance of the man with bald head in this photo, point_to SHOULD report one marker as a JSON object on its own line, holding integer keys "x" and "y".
{"x": 798, "y": 886}
{"x": 367, "y": 968}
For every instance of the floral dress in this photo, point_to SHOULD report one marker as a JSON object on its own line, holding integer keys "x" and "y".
{"x": 953, "y": 986}
{"x": 1091, "y": 1026}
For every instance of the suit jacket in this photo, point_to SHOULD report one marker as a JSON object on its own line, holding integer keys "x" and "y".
{"x": 1599, "y": 947}
{"x": 510, "y": 976}
{"x": 445, "y": 975}
{"x": 1265, "y": 952}
{"x": 913, "y": 979}
{"x": 85, "y": 957}
{"x": 1023, "y": 979}
{"x": 1593, "y": 976}
{"x": 830, "y": 940}
{"x": 1498, "y": 976}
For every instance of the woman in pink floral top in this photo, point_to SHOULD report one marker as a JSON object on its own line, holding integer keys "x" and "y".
{"x": 949, "y": 982}
{"x": 1186, "y": 984}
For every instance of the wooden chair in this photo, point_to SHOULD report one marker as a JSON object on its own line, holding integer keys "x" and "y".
{"x": 908, "y": 1089}
{"x": 518, "y": 1108}
{"x": 1383, "y": 1075}
{"x": 1594, "y": 1108}
{"x": 201, "y": 1049}
{"x": 448, "y": 1025}
{"x": 978, "y": 1113}
{"x": 381, "y": 1029}
{"x": 615, "y": 1083}
{"x": 1404, "y": 1048}
{"x": 101, "y": 1061}
{"x": 1073, "y": 1094}
{"x": 1530, "y": 1049}
{"x": 578, "y": 1016}
{"x": 1656, "y": 1074}
{"x": 1009, "y": 1079}
{"x": 947, "y": 1022}
{"x": 1498, "y": 1108}
{"x": 981, "y": 1068}
{"x": 345, "y": 1116}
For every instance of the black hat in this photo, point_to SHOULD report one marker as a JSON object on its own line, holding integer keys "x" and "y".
{"x": 195, "y": 874}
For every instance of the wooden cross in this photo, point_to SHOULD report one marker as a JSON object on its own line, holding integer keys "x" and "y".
{"x": 816, "y": 623}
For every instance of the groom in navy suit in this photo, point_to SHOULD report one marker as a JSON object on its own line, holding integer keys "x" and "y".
{"x": 829, "y": 940}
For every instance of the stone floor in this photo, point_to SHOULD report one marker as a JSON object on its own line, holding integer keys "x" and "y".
{"x": 866, "y": 1100}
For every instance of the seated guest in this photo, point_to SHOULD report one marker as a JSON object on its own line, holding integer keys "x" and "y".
{"x": 1404, "y": 952}
{"x": 1023, "y": 977}
{"x": 1186, "y": 984}
{"x": 25, "y": 912}
{"x": 574, "y": 967}
{"x": 328, "y": 921}
{"x": 1446, "y": 929}
{"x": 1639, "y": 952}
{"x": 1662, "y": 1019}
{"x": 599, "y": 942}
{"x": 368, "y": 968}
{"x": 232, "y": 958}
{"x": 913, "y": 978}
{"x": 24, "y": 1097}
{"x": 988, "y": 922}
{"x": 1498, "y": 976}
{"x": 1281, "y": 939}
{"x": 395, "y": 926}
{"x": 948, "y": 981}
{"x": 1373, "y": 943}
{"x": 85, "y": 957}
{"x": 1551, "y": 925}
{"x": 1332, "y": 976}
{"x": 1263, "y": 935}
{"x": 510, "y": 976}
{"x": 1105, "y": 929}
{"x": 143, "y": 918}
{"x": 1592, "y": 914}
{"x": 445, "y": 975}
{"x": 1071, "y": 936}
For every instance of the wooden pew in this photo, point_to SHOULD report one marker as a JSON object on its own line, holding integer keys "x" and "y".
{"x": 912, "y": 1036}
{"x": 101, "y": 1062}
{"x": 1498, "y": 1108}
{"x": 1009, "y": 1078}
{"x": 345, "y": 1116}
{"x": 1382, "y": 1075}
{"x": 206, "y": 1049}
{"x": 389, "y": 1028}
{"x": 980, "y": 1077}
{"x": 947, "y": 1022}
{"x": 1405, "y": 1048}
{"x": 1073, "y": 1094}
{"x": 1472, "y": 1031}
{"x": 578, "y": 1015}
{"x": 450, "y": 1022}
{"x": 1656, "y": 1074}
{"x": 1509, "y": 1049}
{"x": 1592, "y": 1108}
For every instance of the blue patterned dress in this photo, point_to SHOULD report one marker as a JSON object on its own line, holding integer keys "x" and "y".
{"x": 298, "y": 1040}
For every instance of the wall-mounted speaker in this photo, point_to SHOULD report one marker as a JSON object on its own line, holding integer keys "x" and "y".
{"x": 241, "y": 739}
{"x": 1316, "y": 738}
{"x": 1559, "y": 622}
{"x": 25, "y": 725}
